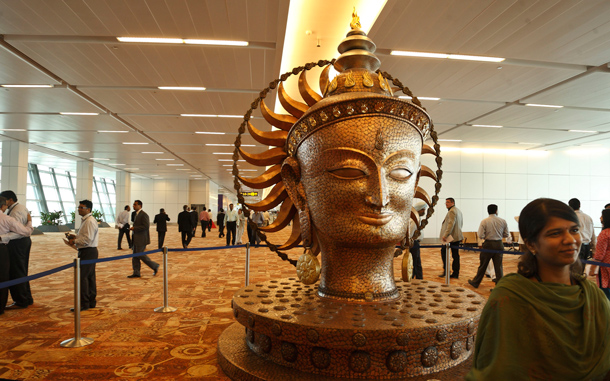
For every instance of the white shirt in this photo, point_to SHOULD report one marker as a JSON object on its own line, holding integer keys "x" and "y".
{"x": 123, "y": 218}
{"x": 493, "y": 228}
{"x": 87, "y": 234}
{"x": 231, "y": 215}
{"x": 10, "y": 224}
{"x": 587, "y": 234}
{"x": 20, "y": 213}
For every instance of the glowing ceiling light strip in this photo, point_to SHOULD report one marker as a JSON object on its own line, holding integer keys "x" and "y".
{"x": 487, "y": 125}
{"x": 187, "y": 88}
{"x": 584, "y": 131}
{"x": 539, "y": 105}
{"x": 215, "y": 42}
{"x": 420, "y": 98}
{"x": 446, "y": 56}
{"x": 135, "y": 143}
{"x": 113, "y": 132}
{"x": 28, "y": 86}
{"x": 79, "y": 113}
{"x": 189, "y": 41}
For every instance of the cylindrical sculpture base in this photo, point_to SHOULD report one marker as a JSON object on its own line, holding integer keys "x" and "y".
{"x": 428, "y": 332}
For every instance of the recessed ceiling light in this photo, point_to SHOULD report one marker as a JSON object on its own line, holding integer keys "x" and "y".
{"x": 227, "y": 165}
{"x": 154, "y": 152}
{"x": 189, "y": 41}
{"x": 248, "y": 170}
{"x": 181, "y": 88}
{"x": 539, "y": 105}
{"x": 446, "y": 56}
{"x": 12, "y": 129}
{"x": 486, "y": 125}
{"x": 449, "y": 140}
{"x": 211, "y": 116}
{"x": 175, "y": 165}
{"x": 165, "y": 159}
{"x": 98, "y": 158}
{"x": 113, "y": 132}
{"x": 222, "y": 153}
{"x": 585, "y": 131}
{"x": 209, "y": 133}
{"x": 420, "y": 98}
{"x": 182, "y": 169}
{"x": 135, "y": 143}
{"x": 79, "y": 113}
{"x": 27, "y": 86}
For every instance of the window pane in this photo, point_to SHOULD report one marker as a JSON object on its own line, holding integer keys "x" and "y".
{"x": 46, "y": 179}
{"x": 104, "y": 198}
{"x": 30, "y": 194}
{"x": 62, "y": 181}
{"x": 50, "y": 194}
{"x": 53, "y": 206}
{"x": 66, "y": 195}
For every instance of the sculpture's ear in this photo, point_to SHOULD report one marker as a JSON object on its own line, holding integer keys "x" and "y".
{"x": 291, "y": 175}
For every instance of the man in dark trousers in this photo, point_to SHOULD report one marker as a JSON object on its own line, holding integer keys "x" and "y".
{"x": 204, "y": 217}
{"x": 161, "y": 222}
{"x": 220, "y": 221}
{"x": 185, "y": 227}
{"x": 194, "y": 218}
{"x": 19, "y": 253}
{"x": 141, "y": 238}
{"x": 86, "y": 243}
{"x": 122, "y": 223}
{"x": 7, "y": 225}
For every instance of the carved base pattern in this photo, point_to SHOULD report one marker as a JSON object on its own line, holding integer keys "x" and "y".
{"x": 428, "y": 330}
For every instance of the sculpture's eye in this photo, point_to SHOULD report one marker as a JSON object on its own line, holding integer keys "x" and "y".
{"x": 400, "y": 174}
{"x": 348, "y": 173}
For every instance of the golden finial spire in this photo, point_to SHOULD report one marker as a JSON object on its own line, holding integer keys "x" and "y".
{"x": 355, "y": 24}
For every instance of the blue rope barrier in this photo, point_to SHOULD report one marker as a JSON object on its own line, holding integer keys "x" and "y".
{"x": 109, "y": 259}
{"x": 209, "y": 248}
{"x": 13, "y": 282}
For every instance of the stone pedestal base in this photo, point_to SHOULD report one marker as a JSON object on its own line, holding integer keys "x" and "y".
{"x": 292, "y": 334}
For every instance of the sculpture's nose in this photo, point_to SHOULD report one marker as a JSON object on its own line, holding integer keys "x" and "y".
{"x": 377, "y": 194}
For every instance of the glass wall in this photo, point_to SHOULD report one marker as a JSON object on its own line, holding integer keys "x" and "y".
{"x": 51, "y": 190}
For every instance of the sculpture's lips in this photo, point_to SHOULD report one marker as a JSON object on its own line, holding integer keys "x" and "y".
{"x": 375, "y": 219}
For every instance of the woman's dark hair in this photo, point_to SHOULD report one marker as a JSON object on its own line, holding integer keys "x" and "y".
{"x": 606, "y": 219}
{"x": 532, "y": 220}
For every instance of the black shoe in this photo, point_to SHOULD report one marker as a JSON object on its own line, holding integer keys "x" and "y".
{"x": 487, "y": 275}
{"x": 454, "y": 276}
{"x": 82, "y": 309}
{"x": 133, "y": 276}
{"x": 442, "y": 275}
{"x": 156, "y": 270}
{"x": 119, "y": 248}
{"x": 470, "y": 282}
{"x": 15, "y": 306}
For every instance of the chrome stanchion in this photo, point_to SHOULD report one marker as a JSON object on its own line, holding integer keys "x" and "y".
{"x": 247, "y": 264}
{"x": 447, "y": 262}
{"x": 77, "y": 341}
{"x": 166, "y": 307}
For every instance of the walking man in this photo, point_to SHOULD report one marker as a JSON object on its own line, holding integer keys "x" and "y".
{"x": 7, "y": 225}
{"x": 491, "y": 230}
{"x": 185, "y": 227}
{"x": 451, "y": 231}
{"x": 86, "y": 243}
{"x": 19, "y": 253}
{"x": 231, "y": 222}
{"x": 141, "y": 238}
{"x": 161, "y": 222}
{"x": 122, "y": 222}
{"x": 204, "y": 217}
{"x": 220, "y": 221}
{"x": 418, "y": 272}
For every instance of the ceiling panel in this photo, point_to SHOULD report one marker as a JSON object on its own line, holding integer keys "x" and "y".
{"x": 14, "y": 70}
{"x": 43, "y": 100}
{"x": 455, "y": 112}
{"x": 592, "y": 90}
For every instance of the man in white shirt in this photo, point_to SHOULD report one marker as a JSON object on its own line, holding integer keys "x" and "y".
{"x": 86, "y": 243}
{"x": 19, "y": 252}
{"x": 491, "y": 230}
{"x": 122, "y": 222}
{"x": 587, "y": 234}
{"x": 231, "y": 224}
{"x": 7, "y": 225}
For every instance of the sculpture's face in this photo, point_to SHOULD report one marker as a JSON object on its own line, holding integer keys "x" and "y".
{"x": 359, "y": 178}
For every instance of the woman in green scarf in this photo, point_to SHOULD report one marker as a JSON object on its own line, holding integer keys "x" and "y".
{"x": 547, "y": 322}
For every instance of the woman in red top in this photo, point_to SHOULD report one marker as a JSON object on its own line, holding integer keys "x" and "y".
{"x": 602, "y": 254}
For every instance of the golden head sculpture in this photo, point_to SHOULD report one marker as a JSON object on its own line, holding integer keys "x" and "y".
{"x": 345, "y": 168}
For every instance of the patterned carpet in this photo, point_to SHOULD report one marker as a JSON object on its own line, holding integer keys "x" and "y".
{"x": 131, "y": 340}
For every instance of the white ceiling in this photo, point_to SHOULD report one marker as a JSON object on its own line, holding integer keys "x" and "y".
{"x": 557, "y": 52}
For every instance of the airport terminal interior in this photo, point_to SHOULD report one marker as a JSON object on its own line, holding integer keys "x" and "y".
{"x": 116, "y": 101}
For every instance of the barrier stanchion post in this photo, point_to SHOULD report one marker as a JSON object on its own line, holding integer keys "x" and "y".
{"x": 247, "y": 263}
{"x": 447, "y": 262}
{"x": 77, "y": 341}
{"x": 166, "y": 307}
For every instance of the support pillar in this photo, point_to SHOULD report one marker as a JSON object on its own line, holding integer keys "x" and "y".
{"x": 84, "y": 186}
{"x": 123, "y": 191}
{"x": 15, "y": 168}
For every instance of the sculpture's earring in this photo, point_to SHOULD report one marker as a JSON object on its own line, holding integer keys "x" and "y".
{"x": 308, "y": 266}
{"x": 534, "y": 253}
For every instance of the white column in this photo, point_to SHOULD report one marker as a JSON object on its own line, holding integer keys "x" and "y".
{"x": 123, "y": 191}
{"x": 15, "y": 168}
{"x": 213, "y": 198}
{"x": 84, "y": 186}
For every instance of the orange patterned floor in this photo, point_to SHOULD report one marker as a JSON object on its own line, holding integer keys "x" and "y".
{"x": 131, "y": 340}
